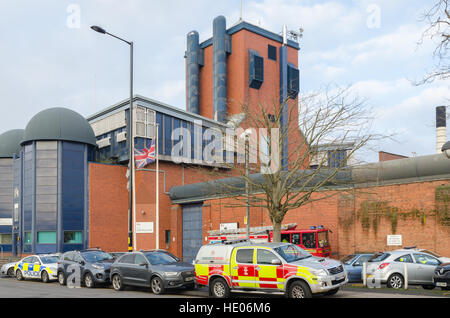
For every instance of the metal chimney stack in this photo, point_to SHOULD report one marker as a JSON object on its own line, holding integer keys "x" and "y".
{"x": 441, "y": 128}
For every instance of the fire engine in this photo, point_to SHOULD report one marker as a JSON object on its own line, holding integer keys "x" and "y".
{"x": 314, "y": 240}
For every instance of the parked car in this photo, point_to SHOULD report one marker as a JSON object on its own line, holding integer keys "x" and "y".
{"x": 8, "y": 269}
{"x": 41, "y": 266}
{"x": 389, "y": 268}
{"x": 443, "y": 259}
{"x": 157, "y": 269}
{"x": 93, "y": 264}
{"x": 353, "y": 264}
{"x": 267, "y": 267}
{"x": 441, "y": 277}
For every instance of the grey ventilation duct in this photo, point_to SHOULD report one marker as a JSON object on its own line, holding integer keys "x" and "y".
{"x": 441, "y": 128}
{"x": 219, "y": 69}
{"x": 192, "y": 72}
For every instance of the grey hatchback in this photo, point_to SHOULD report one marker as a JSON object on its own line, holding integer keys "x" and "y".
{"x": 157, "y": 269}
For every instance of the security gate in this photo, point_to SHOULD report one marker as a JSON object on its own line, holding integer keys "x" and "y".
{"x": 192, "y": 230}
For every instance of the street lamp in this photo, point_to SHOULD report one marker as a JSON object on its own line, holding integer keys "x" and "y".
{"x": 130, "y": 138}
{"x": 446, "y": 149}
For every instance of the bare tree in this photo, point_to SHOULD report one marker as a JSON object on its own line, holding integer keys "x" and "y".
{"x": 326, "y": 125}
{"x": 438, "y": 20}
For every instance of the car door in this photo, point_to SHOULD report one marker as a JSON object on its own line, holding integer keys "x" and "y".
{"x": 269, "y": 272}
{"x": 426, "y": 265}
{"x": 141, "y": 270}
{"x": 25, "y": 264}
{"x": 243, "y": 267}
{"x": 355, "y": 271}
{"x": 411, "y": 267}
{"x": 125, "y": 266}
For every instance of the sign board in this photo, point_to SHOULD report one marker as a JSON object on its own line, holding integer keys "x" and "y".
{"x": 394, "y": 240}
{"x": 144, "y": 227}
{"x": 228, "y": 226}
{"x": 6, "y": 221}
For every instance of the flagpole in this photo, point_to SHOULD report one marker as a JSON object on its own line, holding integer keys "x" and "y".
{"x": 157, "y": 187}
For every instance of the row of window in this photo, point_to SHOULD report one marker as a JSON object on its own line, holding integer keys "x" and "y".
{"x": 264, "y": 257}
{"x": 49, "y": 237}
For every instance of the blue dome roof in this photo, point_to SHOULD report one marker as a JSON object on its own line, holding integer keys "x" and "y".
{"x": 59, "y": 124}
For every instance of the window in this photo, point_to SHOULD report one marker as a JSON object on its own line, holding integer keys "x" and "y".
{"x": 265, "y": 257}
{"x": 167, "y": 236}
{"x": 68, "y": 257}
{"x": 272, "y": 52}
{"x": 405, "y": 259}
{"x": 46, "y": 237}
{"x": 379, "y": 257}
{"x": 293, "y": 84}
{"x": 296, "y": 239}
{"x": 167, "y": 135}
{"x": 244, "y": 256}
{"x": 292, "y": 253}
{"x": 256, "y": 69}
{"x": 309, "y": 240}
{"x": 96, "y": 256}
{"x": 73, "y": 237}
{"x": 127, "y": 259}
{"x": 347, "y": 260}
{"x": 363, "y": 259}
{"x": 5, "y": 238}
{"x": 322, "y": 237}
{"x": 27, "y": 237}
{"x": 160, "y": 258}
{"x": 426, "y": 259}
{"x": 27, "y": 259}
{"x": 285, "y": 238}
{"x": 139, "y": 259}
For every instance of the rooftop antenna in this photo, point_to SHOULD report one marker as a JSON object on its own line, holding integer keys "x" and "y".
{"x": 240, "y": 15}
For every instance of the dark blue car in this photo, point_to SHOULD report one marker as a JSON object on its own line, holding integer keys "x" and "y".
{"x": 353, "y": 264}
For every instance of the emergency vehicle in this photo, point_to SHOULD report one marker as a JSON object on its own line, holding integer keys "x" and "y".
{"x": 41, "y": 266}
{"x": 313, "y": 240}
{"x": 268, "y": 267}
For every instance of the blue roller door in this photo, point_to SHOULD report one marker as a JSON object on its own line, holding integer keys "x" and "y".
{"x": 192, "y": 230}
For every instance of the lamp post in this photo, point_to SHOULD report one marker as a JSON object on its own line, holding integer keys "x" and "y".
{"x": 130, "y": 138}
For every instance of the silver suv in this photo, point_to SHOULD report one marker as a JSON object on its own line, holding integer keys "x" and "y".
{"x": 394, "y": 267}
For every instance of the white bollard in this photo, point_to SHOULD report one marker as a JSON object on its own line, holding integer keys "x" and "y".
{"x": 406, "y": 275}
{"x": 364, "y": 274}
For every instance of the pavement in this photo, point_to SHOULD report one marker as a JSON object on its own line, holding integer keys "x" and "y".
{"x": 12, "y": 288}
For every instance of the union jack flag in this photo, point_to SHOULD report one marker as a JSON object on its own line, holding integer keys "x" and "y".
{"x": 145, "y": 156}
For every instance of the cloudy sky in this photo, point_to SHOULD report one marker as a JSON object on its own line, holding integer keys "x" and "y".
{"x": 50, "y": 57}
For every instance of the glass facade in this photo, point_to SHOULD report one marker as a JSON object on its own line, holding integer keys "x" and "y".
{"x": 46, "y": 237}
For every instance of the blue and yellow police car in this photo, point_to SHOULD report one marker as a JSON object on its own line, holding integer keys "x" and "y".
{"x": 40, "y": 266}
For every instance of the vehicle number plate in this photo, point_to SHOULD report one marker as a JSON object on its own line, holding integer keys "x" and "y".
{"x": 188, "y": 279}
{"x": 441, "y": 284}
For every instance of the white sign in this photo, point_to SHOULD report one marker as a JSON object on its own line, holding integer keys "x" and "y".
{"x": 394, "y": 240}
{"x": 228, "y": 226}
{"x": 6, "y": 221}
{"x": 144, "y": 227}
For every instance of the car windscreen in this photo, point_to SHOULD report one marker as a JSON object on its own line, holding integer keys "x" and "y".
{"x": 159, "y": 258}
{"x": 96, "y": 256}
{"x": 348, "y": 259}
{"x": 322, "y": 237}
{"x": 379, "y": 257}
{"x": 49, "y": 259}
{"x": 291, "y": 253}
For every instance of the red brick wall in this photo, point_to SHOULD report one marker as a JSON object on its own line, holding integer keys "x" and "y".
{"x": 385, "y": 156}
{"x": 108, "y": 207}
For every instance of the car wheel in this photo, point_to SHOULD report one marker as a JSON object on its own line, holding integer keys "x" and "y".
{"x": 117, "y": 282}
{"x": 44, "y": 277}
{"x": 332, "y": 292}
{"x": 61, "y": 278}
{"x": 299, "y": 289}
{"x": 89, "y": 280}
{"x": 219, "y": 288}
{"x": 395, "y": 281}
{"x": 19, "y": 274}
{"x": 157, "y": 286}
{"x": 10, "y": 272}
{"x": 428, "y": 287}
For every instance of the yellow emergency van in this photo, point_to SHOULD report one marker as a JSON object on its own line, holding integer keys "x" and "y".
{"x": 233, "y": 266}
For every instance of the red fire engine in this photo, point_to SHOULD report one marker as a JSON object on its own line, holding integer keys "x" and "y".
{"x": 314, "y": 240}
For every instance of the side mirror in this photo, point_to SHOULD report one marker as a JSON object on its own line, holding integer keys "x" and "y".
{"x": 276, "y": 262}
{"x": 143, "y": 264}
{"x": 357, "y": 264}
{"x": 82, "y": 263}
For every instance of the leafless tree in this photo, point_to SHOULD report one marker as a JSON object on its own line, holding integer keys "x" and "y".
{"x": 438, "y": 21}
{"x": 317, "y": 130}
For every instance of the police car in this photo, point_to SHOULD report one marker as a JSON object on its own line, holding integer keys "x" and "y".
{"x": 41, "y": 266}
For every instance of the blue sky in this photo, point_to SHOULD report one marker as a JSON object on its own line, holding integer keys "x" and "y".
{"x": 50, "y": 57}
